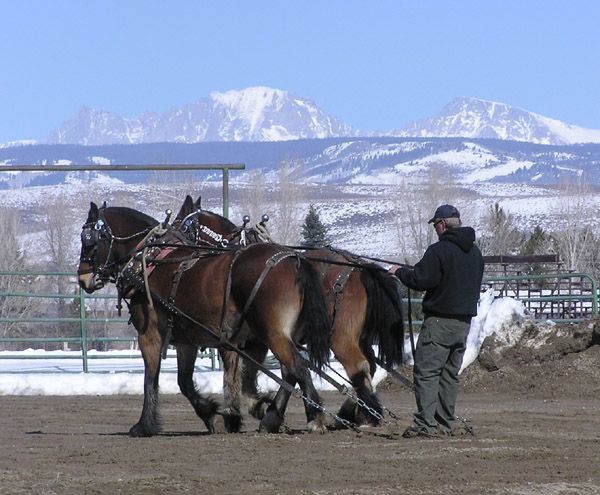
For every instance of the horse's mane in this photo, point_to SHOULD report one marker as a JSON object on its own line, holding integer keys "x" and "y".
{"x": 228, "y": 224}
{"x": 135, "y": 214}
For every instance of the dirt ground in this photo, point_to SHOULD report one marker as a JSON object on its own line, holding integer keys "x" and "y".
{"x": 536, "y": 413}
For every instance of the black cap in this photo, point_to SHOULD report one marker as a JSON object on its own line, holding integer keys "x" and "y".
{"x": 445, "y": 211}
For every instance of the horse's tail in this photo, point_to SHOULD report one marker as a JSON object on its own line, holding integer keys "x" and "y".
{"x": 384, "y": 323}
{"x": 315, "y": 326}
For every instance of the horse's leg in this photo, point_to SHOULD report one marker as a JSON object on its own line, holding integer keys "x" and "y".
{"x": 315, "y": 418}
{"x": 231, "y": 389}
{"x": 363, "y": 384}
{"x": 358, "y": 369}
{"x": 273, "y": 417}
{"x": 294, "y": 370}
{"x": 150, "y": 343}
{"x": 258, "y": 401}
{"x": 205, "y": 408}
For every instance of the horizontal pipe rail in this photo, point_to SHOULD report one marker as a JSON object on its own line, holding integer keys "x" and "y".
{"x": 122, "y": 167}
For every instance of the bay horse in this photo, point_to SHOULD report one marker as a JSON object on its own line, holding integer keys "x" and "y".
{"x": 191, "y": 298}
{"x": 363, "y": 303}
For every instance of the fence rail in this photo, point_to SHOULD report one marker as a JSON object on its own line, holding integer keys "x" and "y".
{"x": 81, "y": 326}
{"x": 569, "y": 297}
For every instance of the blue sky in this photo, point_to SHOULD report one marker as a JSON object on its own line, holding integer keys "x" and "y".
{"x": 376, "y": 65}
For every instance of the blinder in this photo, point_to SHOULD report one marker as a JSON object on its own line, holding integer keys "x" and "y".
{"x": 91, "y": 234}
{"x": 89, "y": 237}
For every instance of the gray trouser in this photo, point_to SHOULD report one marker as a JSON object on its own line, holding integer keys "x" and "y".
{"x": 438, "y": 357}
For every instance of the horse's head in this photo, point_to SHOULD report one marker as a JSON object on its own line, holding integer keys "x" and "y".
{"x": 109, "y": 237}
{"x": 203, "y": 227}
{"x": 206, "y": 227}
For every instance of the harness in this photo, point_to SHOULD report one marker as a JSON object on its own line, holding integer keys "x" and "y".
{"x": 338, "y": 287}
{"x": 183, "y": 267}
{"x": 271, "y": 263}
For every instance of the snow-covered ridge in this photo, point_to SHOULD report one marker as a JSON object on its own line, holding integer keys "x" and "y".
{"x": 21, "y": 142}
{"x": 477, "y": 118}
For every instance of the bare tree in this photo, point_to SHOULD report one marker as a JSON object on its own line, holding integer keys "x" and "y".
{"x": 62, "y": 251}
{"x": 289, "y": 216}
{"x": 253, "y": 197}
{"x": 12, "y": 259}
{"x": 414, "y": 203}
{"x": 572, "y": 234}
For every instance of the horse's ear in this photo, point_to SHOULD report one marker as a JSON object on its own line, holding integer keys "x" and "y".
{"x": 198, "y": 203}
{"x": 93, "y": 214}
{"x": 186, "y": 208}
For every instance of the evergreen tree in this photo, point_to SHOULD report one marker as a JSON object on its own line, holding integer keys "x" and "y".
{"x": 314, "y": 232}
{"x": 538, "y": 243}
{"x": 501, "y": 235}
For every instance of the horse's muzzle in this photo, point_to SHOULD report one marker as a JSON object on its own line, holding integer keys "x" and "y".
{"x": 90, "y": 283}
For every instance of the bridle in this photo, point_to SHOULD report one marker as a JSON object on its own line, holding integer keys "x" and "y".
{"x": 92, "y": 234}
{"x": 199, "y": 233}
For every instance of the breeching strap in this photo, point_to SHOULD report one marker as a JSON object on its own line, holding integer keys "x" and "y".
{"x": 269, "y": 265}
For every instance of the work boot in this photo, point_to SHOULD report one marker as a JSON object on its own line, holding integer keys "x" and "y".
{"x": 417, "y": 431}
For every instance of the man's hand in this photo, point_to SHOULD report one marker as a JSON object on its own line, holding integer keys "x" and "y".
{"x": 392, "y": 269}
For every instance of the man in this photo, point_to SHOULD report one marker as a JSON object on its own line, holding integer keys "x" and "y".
{"x": 450, "y": 273}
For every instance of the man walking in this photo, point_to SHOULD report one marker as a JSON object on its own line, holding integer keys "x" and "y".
{"x": 450, "y": 273}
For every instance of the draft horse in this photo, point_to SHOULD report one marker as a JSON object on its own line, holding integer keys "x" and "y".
{"x": 207, "y": 298}
{"x": 363, "y": 303}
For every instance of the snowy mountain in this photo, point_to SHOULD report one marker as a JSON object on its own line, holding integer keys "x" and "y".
{"x": 475, "y": 118}
{"x": 252, "y": 114}
{"x": 266, "y": 114}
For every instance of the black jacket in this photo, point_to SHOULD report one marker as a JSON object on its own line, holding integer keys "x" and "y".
{"x": 450, "y": 273}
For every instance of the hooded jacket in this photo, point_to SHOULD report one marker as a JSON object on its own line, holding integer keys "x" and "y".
{"x": 450, "y": 273}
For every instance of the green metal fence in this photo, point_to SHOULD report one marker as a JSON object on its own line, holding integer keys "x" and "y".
{"x": 571, "y": 297}
{"x": 32, "y": 313}
{"x": 70, "y": 319}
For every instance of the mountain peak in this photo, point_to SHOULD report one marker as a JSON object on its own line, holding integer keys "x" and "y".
{"x": 477, "y": 118}
{"x": 252, "y": 114}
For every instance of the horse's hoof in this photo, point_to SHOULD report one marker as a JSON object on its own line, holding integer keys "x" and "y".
{"x": 271, "y": 422}
{"x": 347, "y": 412}
{"x": 317, "y": 426}
{"x": 139, "y": 431}
{"x": 260, "y": 406}
{"x": 210, "y": 425}
{"x": 232, "y": 422}
{"x": 367, "y": 421}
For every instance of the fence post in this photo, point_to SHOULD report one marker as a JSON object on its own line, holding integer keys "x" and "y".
{"x": 226, "y": 192}
{"x": 83, "y": 330}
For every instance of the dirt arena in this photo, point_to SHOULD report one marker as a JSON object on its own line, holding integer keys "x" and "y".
{"x": 536, "y": 413}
